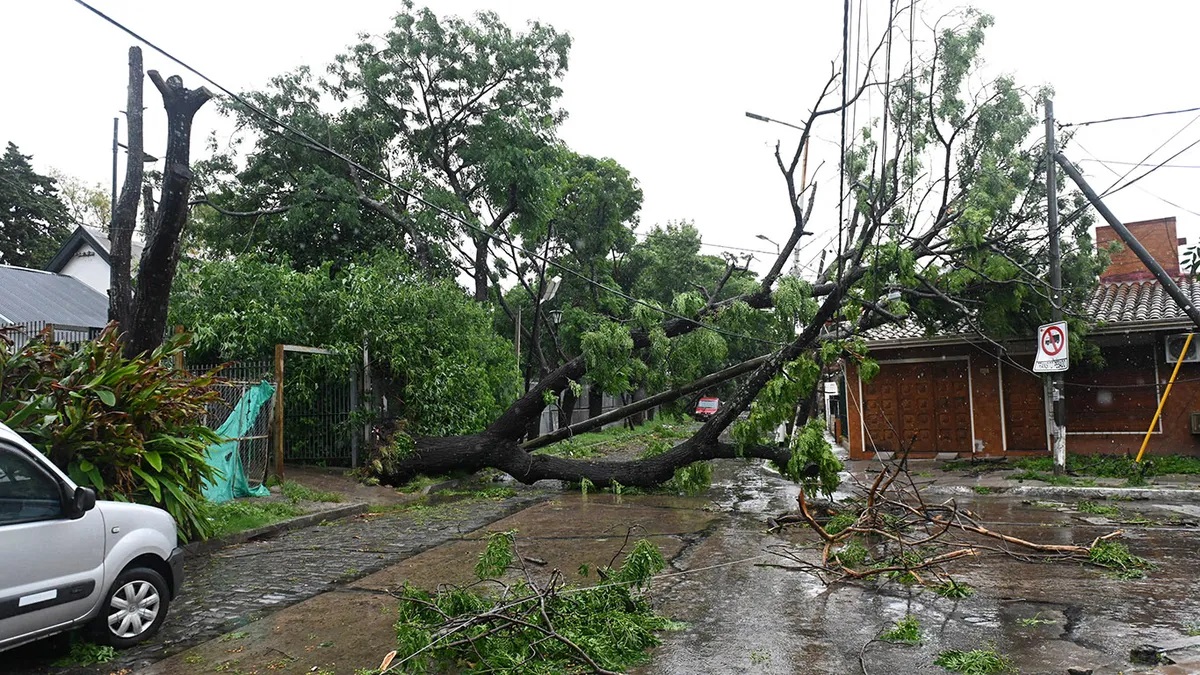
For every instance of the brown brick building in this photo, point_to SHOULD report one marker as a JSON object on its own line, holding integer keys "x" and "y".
{"x": 962, "y": 395}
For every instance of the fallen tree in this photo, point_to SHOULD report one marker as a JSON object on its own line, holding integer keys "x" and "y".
{"x": 941, "y": 231}
{"x": 939, "y": 224}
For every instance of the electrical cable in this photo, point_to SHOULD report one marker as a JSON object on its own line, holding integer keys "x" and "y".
{"x": 842, "y": 147}
{"x": 1127, "y": 117}
{"x": 1105, "y": 164}
{"x": 316, "y": 144}
{"x": 1112, "y": 189}
{"x": 1120, "y": 163}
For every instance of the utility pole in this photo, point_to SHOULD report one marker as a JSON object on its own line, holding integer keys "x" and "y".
{"x": 112, "y": 205}
{"x": 1057, "y": 397}
{"x": 1172, "y": 289}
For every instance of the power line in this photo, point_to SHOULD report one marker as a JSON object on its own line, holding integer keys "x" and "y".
{"x": 1112, "y": 189}
{"x": 1150, "y": 154}
{"x": 1105, "y": 164}
{"x": 1120, "y": 163}
{"x": 1128, "y": 117}
{"x": 664, "y": 235}
{"x": 384, "y": 179}
{"x": 1156, "y": 167}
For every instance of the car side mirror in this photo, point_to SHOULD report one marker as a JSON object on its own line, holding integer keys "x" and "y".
{"x": 82, "y": 501}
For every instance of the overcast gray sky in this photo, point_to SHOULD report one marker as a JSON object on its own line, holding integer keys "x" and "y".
{"x": 662, "y": 87}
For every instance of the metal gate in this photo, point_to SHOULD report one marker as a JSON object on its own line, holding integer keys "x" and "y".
{"x": 235, "y": 379}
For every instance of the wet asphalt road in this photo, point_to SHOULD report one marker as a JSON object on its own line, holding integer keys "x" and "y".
{"x": 744, "y": 610}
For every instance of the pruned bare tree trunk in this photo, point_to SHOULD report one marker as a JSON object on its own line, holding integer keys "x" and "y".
{"x": 124, "y": 214}
{"x": 161, "y": 256}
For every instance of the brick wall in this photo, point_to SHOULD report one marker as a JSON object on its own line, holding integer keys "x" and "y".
{"x": 1157, "y": 236}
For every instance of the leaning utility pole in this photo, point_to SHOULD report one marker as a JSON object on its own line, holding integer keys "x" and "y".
{"x": 1055, "y": 380}
{"x": 1172, "y": 289}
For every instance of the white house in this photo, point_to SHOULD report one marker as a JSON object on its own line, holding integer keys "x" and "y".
{"x": 85, "y": 256}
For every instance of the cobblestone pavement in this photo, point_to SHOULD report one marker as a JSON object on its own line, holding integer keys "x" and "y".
{"x": 233, "y": 586}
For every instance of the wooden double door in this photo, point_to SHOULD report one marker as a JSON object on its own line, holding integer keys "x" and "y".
{"x": 922, "y": 407}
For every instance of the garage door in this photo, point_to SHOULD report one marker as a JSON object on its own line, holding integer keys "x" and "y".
{"x": 922, "y": 406}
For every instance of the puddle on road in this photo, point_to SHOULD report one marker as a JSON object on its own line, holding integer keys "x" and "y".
{"x": 755, "y": 616}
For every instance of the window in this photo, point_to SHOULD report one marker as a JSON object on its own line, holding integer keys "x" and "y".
{"x": 27, "y": 491}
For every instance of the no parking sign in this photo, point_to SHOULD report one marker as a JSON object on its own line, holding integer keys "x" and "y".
{"x": 1053, "y": 353}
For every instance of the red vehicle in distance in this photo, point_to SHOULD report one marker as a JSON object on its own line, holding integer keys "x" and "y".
{"x": 707, "y": 406}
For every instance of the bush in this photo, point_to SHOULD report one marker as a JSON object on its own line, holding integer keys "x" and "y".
{"x": 127, "y": 428}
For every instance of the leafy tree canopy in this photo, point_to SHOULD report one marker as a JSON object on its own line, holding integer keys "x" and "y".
{"x": 450, "y": 371}
{"x": 33, "y": 219}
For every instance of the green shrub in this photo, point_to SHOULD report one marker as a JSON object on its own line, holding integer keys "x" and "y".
{"x": 973, "y": 662}
{"x": 906, "y": 631}
{"x": 129, "y": 428}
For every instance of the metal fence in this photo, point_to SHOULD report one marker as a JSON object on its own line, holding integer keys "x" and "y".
{"x": 235, "y": 379}
{"x": 321, "y": 395}
{"x": 19, "y": 334}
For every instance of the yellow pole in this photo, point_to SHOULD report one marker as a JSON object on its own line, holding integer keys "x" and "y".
{"x": 1158, "y": 413}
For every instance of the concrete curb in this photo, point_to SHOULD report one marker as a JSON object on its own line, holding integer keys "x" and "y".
{"x": 1163, "y": 495}
{"x": 299, "y": 522}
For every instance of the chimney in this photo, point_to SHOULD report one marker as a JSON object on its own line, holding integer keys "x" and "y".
{"x": 1157, "y": 236}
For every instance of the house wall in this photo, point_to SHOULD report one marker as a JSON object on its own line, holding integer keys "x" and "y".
{"x": 1108, "y": 409}
{"x": 910, "y": 404}
{"x": 87, "y": 266}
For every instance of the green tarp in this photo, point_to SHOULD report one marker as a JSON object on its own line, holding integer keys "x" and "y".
{"x": 224, "y": 457}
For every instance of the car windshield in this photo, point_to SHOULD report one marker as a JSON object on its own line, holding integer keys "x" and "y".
{"x": 707, "y": 404}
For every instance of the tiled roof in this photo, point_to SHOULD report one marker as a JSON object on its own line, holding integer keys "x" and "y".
{"x": 32, "y": 295}
{"x": 1132, "y": 301}
{"x": 1112, "y": 303}
{"x": 908, "y": 330}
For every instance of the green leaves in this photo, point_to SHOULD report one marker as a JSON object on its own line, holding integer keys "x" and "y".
{"x": 529, "y": 629}
{"x": 607, "y": 350}
{"x": 126, "y": 428}
{"x": 496, "y": 558}
{"x": 33, "y": 219}
{"x": 453, "y": 373}
{"x": 809, "y": 448}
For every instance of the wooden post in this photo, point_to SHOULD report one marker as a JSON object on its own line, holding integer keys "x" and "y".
{"x": 179, "y": 354}
{"x": 279, "y": 412}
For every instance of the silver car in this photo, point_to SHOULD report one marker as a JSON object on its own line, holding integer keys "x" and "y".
{"x": 67, "y": 560}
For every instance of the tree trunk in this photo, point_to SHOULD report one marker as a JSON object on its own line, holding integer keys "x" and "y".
{"x": 124, "y": 214}
{"x": 498, "y": 447}
{"x": 161, "y": 256}
{"x": 595, "y": 401}
{"x": 440, "y": 455}
{"x": 481, "y": 269}
{"x": 566, "y": 408}
{"x": 638, "y": 417}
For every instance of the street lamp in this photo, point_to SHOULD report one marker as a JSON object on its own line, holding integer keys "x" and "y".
{"x": 146, "y": 158}
{"x": 764, "y": 118}
{"x": 768, "y": 240}
{"x": 804, "y": 166}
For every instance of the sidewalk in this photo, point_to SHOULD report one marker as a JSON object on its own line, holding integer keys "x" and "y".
{"x": 932, "y": 478}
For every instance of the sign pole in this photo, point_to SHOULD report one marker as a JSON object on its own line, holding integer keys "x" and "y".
{"x": 1057, "y": 394}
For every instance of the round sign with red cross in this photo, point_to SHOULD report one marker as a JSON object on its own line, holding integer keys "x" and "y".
{"x": 1052, "y": 351}
{"x": 1053, "y": 340}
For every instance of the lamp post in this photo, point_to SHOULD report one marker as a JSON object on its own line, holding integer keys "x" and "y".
{"x": 147, "y": 158}
{"x": 804, "y": 163}
{"x": 769, "y": 241}
{"x": 764, "y": 118}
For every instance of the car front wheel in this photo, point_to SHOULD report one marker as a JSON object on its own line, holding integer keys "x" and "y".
{"x": 134, "y": 608}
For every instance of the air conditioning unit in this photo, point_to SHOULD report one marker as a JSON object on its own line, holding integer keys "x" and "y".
{"x": 1173, "y": 346}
